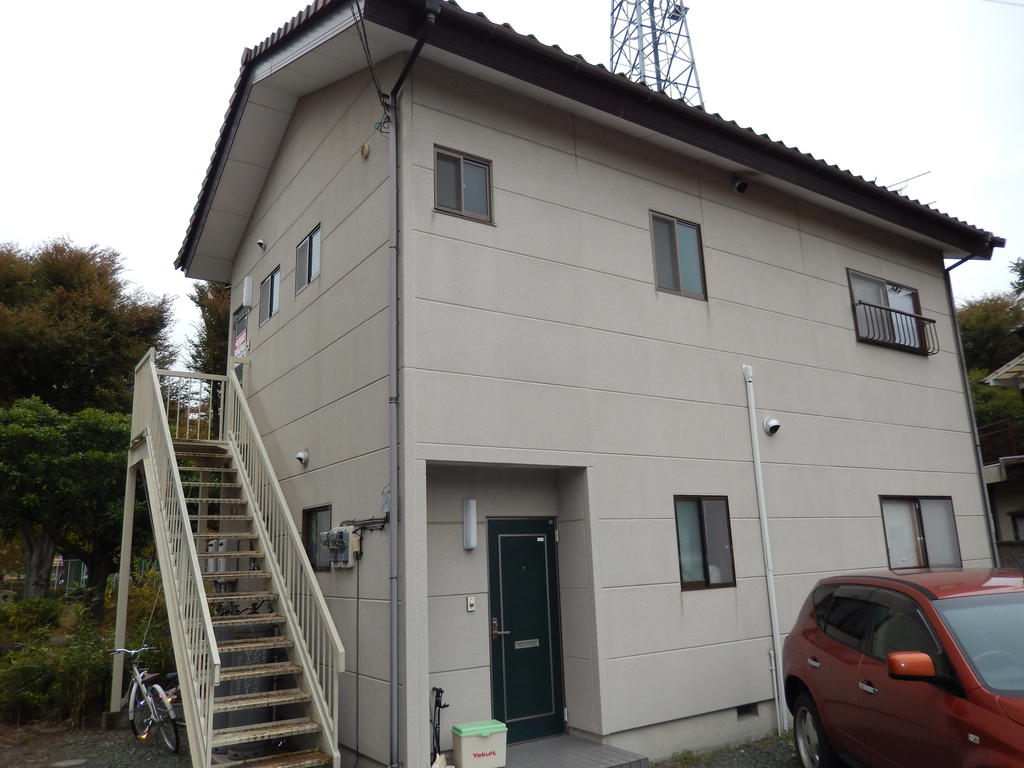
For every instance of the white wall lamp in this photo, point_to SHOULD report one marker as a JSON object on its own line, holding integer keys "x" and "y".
{"x": 469, "y": 524}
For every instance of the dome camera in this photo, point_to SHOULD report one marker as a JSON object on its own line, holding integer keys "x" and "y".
{"x": 771, "y": 426}
{"x": 739, "y": 186}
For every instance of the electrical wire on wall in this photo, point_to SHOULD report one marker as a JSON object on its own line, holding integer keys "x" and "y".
{"x": 384, "y": 123}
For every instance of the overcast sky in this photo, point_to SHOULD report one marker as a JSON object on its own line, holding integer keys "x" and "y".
{"x": 112, "y": 107}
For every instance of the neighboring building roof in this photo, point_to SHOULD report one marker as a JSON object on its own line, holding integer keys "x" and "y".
{"x": 1009, "y": 375}
{"x": 475, "y": 38}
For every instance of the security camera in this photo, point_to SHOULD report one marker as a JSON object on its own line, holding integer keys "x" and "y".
{"x": 771, "y": 426}
{"x": 302, "y": 457}
{"x": 261, "y": 244}
{"x": 739, "y": 186}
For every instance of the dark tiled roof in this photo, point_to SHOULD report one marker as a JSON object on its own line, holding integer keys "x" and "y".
{"x": 793, "y": 154}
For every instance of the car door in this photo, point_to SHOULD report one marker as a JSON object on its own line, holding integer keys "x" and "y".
{"x": 833, "y": 658}
{"x": 905, "y": 722}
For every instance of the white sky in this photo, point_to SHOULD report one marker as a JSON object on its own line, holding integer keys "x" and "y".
{"x": 112, "y": 107}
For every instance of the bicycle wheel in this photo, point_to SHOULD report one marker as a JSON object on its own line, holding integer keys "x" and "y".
{"x": 164, "y": 718}
{"x": 138, "y": 710}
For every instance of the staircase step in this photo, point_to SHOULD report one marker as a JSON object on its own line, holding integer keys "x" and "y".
{"x": 227, "y": 597}
{"x": 233, "y": 553}
{"x": 307, "y": 758}
{"x": 202, "y": 455}
{"x": 212, "y": 500}
{"x": 259, "y": 670}
{"x": 224, "y": 535}
{"x": 262, "y": 699}
{"x": 244, "y": 734}
{"x": 208, "y": 484}
{"x": 235, "y": 575}
{"x": 253, "y": 644}
{"x": 241, "y": 621}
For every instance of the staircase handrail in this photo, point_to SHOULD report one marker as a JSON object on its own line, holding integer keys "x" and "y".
{"x": 195, "y": 646}
{"x": 318, "y": 645}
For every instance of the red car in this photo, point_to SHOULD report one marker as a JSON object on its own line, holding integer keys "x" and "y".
{"x": 900, "y": 669}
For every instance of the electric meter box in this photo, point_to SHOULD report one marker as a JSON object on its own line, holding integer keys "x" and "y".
{"x": 480, "y": 744}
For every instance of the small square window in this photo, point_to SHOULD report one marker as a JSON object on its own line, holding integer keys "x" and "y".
{"x": 920, "y": 533}
{"x": 315, "y": 521}
{"x": 705, "y": 542}
{"x": 307, "y": 259}
{"x": 678, "y": 256}
{"x": 270, "y": 295}
{"x": 462, "y": 185}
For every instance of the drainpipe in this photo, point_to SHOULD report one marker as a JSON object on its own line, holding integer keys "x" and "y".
{"x": 970, "y": 414}
{"x": 778, "y": 682}
{"x": 431, "y": 10}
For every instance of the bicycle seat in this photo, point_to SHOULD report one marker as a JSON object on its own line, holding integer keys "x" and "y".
{"x": 149, "y": 677}
{"x": 172, "y": 678}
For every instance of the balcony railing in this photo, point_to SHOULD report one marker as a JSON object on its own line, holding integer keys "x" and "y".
{"x": 895, "y": 328}
{"x": 1001, "y": 438}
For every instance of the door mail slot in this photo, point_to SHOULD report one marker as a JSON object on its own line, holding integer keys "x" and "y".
{"x": 533, "y": 643}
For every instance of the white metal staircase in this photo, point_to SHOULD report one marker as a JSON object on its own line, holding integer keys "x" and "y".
{"x": 258, "y": 655}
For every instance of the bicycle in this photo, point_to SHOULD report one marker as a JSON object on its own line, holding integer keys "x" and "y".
{"x": 149, "y": 705}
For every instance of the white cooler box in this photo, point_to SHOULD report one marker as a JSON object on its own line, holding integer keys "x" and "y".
{"x": 480, "y": 744}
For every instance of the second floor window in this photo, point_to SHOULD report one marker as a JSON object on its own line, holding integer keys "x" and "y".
{"x": 307, "y": 259}
{"x": 270, "y": 295}
{"x": 678, "y": 257}
{"x": 462, "y": 185}
{"x": 889, "y": 314}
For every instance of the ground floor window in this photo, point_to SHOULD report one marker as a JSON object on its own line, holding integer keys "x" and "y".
{"x": 705, "y": 542}
{"x": 920, "y": 532}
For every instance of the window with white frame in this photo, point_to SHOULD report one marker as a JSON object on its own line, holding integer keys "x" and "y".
{"x": 270, "y": 295}
{"x": 462, "y": 185}
{"x": 920, "y": 532}
{"x": 307, "y": 259}
{"x": 678, "y": 256}
{"x": 705, "y": 542}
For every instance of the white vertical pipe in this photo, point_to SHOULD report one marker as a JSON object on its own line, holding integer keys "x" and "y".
{"x": 769, "y": 568}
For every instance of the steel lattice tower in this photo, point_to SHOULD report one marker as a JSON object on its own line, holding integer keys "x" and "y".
{"x": 651, "y": 44}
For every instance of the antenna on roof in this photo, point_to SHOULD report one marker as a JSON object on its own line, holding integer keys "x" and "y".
{"x": 650, "y": 43}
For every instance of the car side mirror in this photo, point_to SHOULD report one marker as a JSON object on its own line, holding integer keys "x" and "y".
{"x": 910, "y": 665}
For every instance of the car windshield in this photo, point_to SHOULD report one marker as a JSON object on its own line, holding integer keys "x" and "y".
{"x": 988, "y": 629}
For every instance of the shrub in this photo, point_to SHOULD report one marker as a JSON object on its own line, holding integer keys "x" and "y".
{"x": 21, "y": 621}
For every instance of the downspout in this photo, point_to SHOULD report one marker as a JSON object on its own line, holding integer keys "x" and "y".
{"x": 966, "y": 381}
{"x": 431, "y": 10}
{"x": 778, "y": 681}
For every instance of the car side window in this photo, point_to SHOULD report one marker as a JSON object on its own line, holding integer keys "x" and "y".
{"x": 899, "y": 626}
{"x": 850, "y": 616}
{"x": 822, "y": 599}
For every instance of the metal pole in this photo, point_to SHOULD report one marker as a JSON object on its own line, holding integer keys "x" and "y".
{"x": 123, "y": 583}
{"x": 769, "y": 568}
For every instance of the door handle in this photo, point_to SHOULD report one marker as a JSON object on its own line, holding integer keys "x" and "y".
{"x": 867, "y": 687}
{"x": 495, "y": 632}
{"x": 814, "y": 662}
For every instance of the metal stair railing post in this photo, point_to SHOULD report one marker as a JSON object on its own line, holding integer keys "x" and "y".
{"x": 195, "y": 647}
{"x": 318, "y": 644}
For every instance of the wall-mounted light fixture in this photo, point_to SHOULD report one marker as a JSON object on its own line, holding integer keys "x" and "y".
{"x": 469, "y": 524}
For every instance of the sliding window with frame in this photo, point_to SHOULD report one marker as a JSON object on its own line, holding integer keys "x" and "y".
{"x": 704, "y": 538}
{"x": 920, "y": 532}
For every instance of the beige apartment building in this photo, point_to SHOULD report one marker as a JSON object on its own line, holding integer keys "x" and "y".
{"x": 520, "y": 314}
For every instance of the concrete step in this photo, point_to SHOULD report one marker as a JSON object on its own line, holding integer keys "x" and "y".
{"x": 245, "y": 734}
{"x": 253, "y": 644}
{"x": 306, "y": 758}
{"x": 235, "y": 575}
{"x": 228, "y": 597}
{"x": 242, "y": 621}
{"x": 250, "y": 671}
{"x": 262, "y": 699}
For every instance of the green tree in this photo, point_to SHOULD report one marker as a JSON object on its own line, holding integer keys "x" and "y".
{"x": 993, "y": 404}
{"x": 72, "y": 328}
{"x": 208, "y": 349}
{"x": 988, "y": 330}
{"x": 61, "y": 481}
{"x": 1017, "y": 270}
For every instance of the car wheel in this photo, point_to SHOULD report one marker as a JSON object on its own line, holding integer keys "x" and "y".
{"x": 812, "y": 747}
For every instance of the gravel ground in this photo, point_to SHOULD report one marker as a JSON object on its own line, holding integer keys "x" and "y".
{"x": 49, "y": 745}
{"x": 771, "y": 752}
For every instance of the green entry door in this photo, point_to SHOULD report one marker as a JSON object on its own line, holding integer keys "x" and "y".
{"x": 526, "y": 647}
